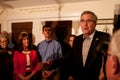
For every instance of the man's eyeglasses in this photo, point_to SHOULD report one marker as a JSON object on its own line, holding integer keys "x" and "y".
{"x": 88, "y": 21}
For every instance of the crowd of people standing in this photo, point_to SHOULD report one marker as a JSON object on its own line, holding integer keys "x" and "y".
{"x": 84, "y": 57}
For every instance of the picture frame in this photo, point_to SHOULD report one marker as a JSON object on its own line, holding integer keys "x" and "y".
{"x": 105, "y": 21}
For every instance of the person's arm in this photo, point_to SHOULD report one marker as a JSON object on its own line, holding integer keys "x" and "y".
{"x": 16, "y": 66}
{"x": 29, "y": 76}
{"x": 56, "y": 63}
{"x": 37, "y": 68}
{"x": 59, "y": 59}
{"x": 21, "y": 76}
{"x": 38, "y": 65}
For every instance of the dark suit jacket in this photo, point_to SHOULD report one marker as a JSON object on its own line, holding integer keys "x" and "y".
{"x": 93, "y": 63}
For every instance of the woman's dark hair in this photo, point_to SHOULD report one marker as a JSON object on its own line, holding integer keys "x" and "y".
{"x": 60, "y": 32}
{"x": 32, "y": 40}
{"x": 19, "y": 41}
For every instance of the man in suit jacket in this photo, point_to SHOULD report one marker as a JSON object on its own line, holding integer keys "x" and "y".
{"x": 86, "y": 66}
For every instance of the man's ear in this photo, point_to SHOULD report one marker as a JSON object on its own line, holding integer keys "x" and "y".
{"x": 116, "y": 65}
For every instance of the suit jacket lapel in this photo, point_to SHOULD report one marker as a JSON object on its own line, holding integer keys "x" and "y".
{"x": 80, "y": 50}
{"x": 77, "y": 48}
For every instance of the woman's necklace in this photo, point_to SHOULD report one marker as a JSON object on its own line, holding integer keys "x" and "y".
{"x": 27, "y": 57}
{"x": 26, "y": 52}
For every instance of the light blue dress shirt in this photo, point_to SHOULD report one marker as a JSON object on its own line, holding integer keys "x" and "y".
{"x": 50, "y": 50}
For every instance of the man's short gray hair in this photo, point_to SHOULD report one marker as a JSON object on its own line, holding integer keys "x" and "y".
{"x": 92, "y": 13}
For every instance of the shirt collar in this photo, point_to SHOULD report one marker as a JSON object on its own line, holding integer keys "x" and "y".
{"x": 48, "y": 41}
{"x": 91, "y": 36}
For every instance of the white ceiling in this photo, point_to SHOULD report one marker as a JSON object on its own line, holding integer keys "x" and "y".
{"x": 29, "y": 3}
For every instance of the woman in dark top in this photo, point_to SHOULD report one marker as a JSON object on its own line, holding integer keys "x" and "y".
{"x": 6, "y": 62}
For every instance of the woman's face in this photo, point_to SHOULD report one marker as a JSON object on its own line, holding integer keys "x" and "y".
{"x": 71, "y": 40}
{"x": 25, "y": 42}
{"x": 3, "y": 43}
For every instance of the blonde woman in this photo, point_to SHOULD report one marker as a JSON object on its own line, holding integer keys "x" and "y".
{"x": 6, "y": 62}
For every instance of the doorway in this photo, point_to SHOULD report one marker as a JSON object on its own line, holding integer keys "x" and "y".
{"x": 19, "y": 27}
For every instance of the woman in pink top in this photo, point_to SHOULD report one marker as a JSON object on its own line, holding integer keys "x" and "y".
{"x": 26, "y": 62}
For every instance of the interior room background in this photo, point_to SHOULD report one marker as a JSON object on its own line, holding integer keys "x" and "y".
{"x": 33, "y": 18}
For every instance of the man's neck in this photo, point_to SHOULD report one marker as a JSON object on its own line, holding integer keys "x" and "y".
{"x": 47, "y": 39}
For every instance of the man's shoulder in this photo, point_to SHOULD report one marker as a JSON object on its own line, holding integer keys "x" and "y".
{"x": 79, "y": 36}
{"x": 102, "y": 33}
{"x": 55, "y": 41}
{"x": 41, "y": 43}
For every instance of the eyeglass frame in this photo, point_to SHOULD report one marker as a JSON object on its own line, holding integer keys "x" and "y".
{"x": 88, "y": 20}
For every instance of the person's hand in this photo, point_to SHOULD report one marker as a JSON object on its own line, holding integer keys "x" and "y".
{"x": 70, "y": 78}
{"x": 26, "y": 78}
{"x": 40, "y": 65}
{"x": 46, "y": 74}
{"x": 47, "y": 64}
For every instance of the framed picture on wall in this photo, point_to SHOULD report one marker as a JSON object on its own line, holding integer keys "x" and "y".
{"x": 105, "y": 25}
